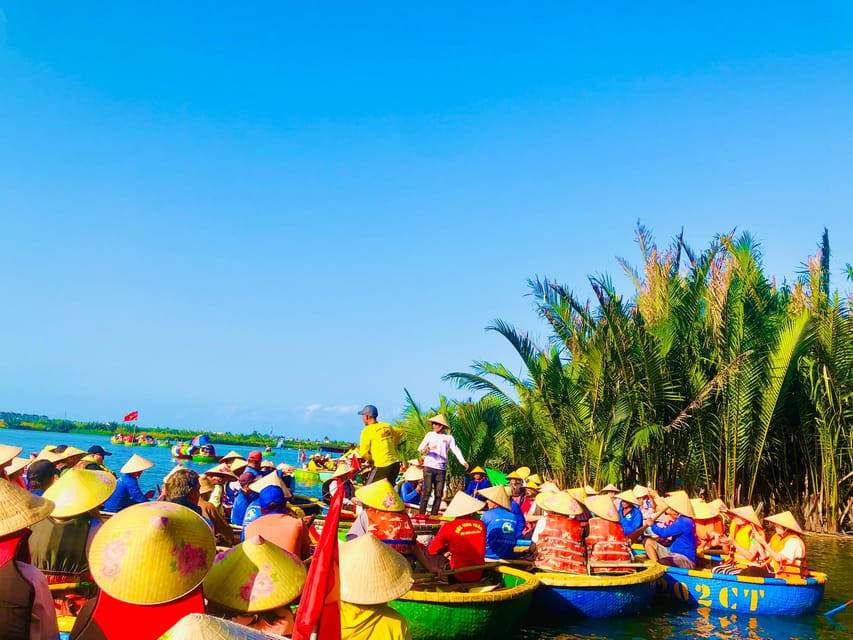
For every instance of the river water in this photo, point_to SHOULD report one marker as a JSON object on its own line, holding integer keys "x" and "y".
{"x": 831, "y": 555}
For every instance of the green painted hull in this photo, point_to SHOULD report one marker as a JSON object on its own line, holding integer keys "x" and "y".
{"x": 469, "y": 616}
{"x": 206, "y": 459}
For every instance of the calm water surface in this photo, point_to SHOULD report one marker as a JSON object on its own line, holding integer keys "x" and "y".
{"x": 834, "y": 556}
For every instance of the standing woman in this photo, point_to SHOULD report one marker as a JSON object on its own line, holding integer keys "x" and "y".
{"x": 435, "y": 445}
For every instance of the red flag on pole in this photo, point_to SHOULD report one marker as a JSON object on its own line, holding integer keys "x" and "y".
{"x": 319, "y": 615}
{"x": 354, "y": 464}
{"x": 302, "y": 456}
{"x": 133, "y": 415}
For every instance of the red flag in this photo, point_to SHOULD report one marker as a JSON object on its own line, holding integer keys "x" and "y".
{"x": 302, "y": 456}
{"x": 319, "y": 611}
{"x": 133, "y": 415}
{"x": 354, "y": 464}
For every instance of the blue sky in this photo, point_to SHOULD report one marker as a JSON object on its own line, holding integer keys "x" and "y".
{"x": 265, "y": 217}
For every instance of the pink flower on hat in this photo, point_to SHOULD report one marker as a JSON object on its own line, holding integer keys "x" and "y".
{"x": 259, "y": 585}
{"x": 112, "y": 555}
{"x": 189, "y": 559}
{"x": 388, "y": 501}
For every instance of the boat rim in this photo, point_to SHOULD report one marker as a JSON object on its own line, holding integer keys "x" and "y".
{"x": 510, "y": 593}
{"x": 652, "y": 571}
{"x": 815, "y": 577}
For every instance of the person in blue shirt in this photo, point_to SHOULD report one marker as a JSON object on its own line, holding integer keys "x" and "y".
{"x": 502, "y": 525}
{"x": 127, "y": 491}
{"x": 410, "y": 490}
{"x": 682, "y": 550}
{"x": 630, "y": 516}
{"x": 270, "y": 500}
{"x": 244, "y": 498}
{"x": 478, "y": 482}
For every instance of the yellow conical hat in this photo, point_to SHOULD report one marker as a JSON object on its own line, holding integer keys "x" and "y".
{"x": 522, "y": 472}
{"x": 7, "y": 453}
{"x": 785, "y": 519}
{"x": 610, "y": 487}
{"x": 561, "y": 503}
{"x": 270, "y": 480}
{"x": 534, "y": 477}
{"x": 168, "y": 544}
{"x": 513, "y": 476}
{"x": 588, "y": 490}
{"x": 701, "y": 509}
{"x": 477, "y": 470}
{"x": 380, "y": 495}
{"x": 230, "y": 457}
{"x": 628, "y": 496}
{"x": 497, "y": 495}
{"x": 463, "y": 505}
{"x": 745, "y": 513}
{"x": 136, "y": 463}
{"x": 372, "y": 572}
{"x": 680, "y": 502}
{"x": 603, "y": 507}
{"x": 78, "y": 491}
{"x": 200, "y": 626}
{"x": 343, "y": 469}
{"x": 19, "y": 508}
{"x": 531, "y": 485}
{"x": 238, "y": 465}
{"x": 578, "y": 494}
{"x": 50, "y": 454}
{"x": 255, "y": 576}
{"x": 716, "y": 505}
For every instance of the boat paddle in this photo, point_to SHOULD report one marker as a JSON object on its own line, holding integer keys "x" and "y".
{"x": 832, "y": 612}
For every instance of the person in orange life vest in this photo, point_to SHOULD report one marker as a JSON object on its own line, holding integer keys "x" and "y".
{"x": 384, "y": 516}
{"x": 26, "y": 605}
{"x": 253, "y": 584}
{"x": 558, "y": 535}
{"x": 745, "y": 545}
{"x": 464, "y": 538}
{"x": 709, "y": 523}
{"x": 606, "y": 541}
{"x": 786, "y": 548}
{"x": 682, "y": 550}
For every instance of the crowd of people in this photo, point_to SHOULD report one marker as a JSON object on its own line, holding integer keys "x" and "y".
{"x": 230, "y": 546}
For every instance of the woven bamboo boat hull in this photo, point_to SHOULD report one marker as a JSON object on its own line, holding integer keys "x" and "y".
{"x": 464, "y": 616}
{"x": 565, "y": 596}
{"x": 206, "y": 459}
{"x": 792, "y": 597}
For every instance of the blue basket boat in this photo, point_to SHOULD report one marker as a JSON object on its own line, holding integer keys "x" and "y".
{"x": 566, "y": 596}
{"x": 791, "y": 597}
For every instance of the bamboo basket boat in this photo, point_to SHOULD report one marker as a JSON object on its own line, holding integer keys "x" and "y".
{"x": 790, "y": 597}
{"x": 567, "y": 596}
{"x": 464, "y": 616}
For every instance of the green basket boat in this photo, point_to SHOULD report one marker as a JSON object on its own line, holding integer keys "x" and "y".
{"x": 464, "y": 616}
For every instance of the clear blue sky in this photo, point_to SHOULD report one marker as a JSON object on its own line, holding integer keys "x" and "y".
{"x": 265, "y": 217}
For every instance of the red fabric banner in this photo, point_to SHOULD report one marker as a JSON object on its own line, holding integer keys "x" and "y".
{"x": 133, "y": 415}
{"x": 318, "y": 608}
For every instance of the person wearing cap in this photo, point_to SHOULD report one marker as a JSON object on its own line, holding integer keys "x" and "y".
{"x": 253, "y": 462}
{"x": 503, "y": 528}
{"x": 786, "y": 548}
{"x": 411, "y": 487}
{"x": 221, "y": 529}
{"x": 182, "y": 486}
{"x": 253, "y": 584}
{"x": 559, "y": 534}
{"x": 244, "y": 498}
{"x": 436, "y": 445}
{"x": 463, "y": 538}
{"x": 40, "y": 475}
{"x": 478, "y": 481}
{"x": 378, "y": 445}
{"x": 745, "y": 545}
{"x": 271, "y": 499}
{"x": 94, "y": 459}
{"x": 682, "y": 550}
{"x": 372, "y": 575}
{"x": 127, "y": 491}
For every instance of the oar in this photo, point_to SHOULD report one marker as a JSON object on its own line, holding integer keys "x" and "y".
{"x": 832, "y": 612}
{"x": 424, "y": 576}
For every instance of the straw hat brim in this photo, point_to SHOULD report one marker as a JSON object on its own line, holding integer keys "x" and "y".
{"x": 221, "y": 470}
{"x": 19, "y": 508}
{"x": 270, "y": 480}
{"x": 7, "y": 453}
{"x": 200, "y": 626}
{"x": 745, "y": 513}
{"x": 231, "y": 456}
{"x": 477, "y": 470}
{"x": 679, "y": 501}
{"x": 628, "y": 496}
{"x": 640, "y": 491}
{"x": 16, "y": 465}
{"x": 785, "y": 519}
{"x": 463, "y": 505}
{"x": 522, "y": 472}
{"x": 78, "y": 491}
{"x": 548, "y": 487}
{"x": 496, "y": 495}
{"x": 342, "y": 470}
{"x": 561, "y": 503}
{"x": 136, "y": 464}
{"x": 371, "y": 572}
{"x": 413, "y": 474}
{"x": 602, "y": 507}
{"x": 439, "y": 419}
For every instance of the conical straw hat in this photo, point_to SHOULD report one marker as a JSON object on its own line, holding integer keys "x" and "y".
{"x": 231, "y": 456}
{"x": 561, "y": 503}
{"x": 534, "y": 477}
{"x": 548, "y": 487}
{"x": 701, "y": 509}
{"x": 522, "y": 472}
{"x": 745, "y": 513}
{"x": 439, "y": 419}
{"x": 50, "y": 454}
{"x": 270, "y": 480}
{"x": 588, "y": 490}
{"x": 498, "y": 496}
{"x": 254, "y": 576}
{"x": 372, "y": 572}
{"x": 603, "y": 507}
{"x": 513, "y": 475}
{"x": 19, "y": 508}
{"x": 78, "y": 491}
{"x": 380, "y": 495}
{"x": 151, "y": 553}
{"x": 344, "y": 470}
{"x": 680, "y": 502}
{"x": 640, "y": 491}
{"x": 222, "y": 470}
{"x": 628, "y": 496}
{"x": 266, "y": 463}
{"x": 413, "y": 474}
{"x": 237, "y": 466}
{"x": 578, "y": 494}
{"x": 463, "y": 505}
{"x": 610, "y": 487}
{"x": 716, "y": 505}
{"x": 531, "y": 485}
{"x": 200, "y": 626}
{"x": 785, "y": 519}
{"x": 16, "y": 465}
{"x": 477, "y": 470}
{"x": 136, "y": 463}
{"x": 7, "y": 453}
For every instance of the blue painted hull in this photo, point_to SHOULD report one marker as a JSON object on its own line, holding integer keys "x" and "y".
{"x": 562, "y": 596}
{"x": 771, "y": 596}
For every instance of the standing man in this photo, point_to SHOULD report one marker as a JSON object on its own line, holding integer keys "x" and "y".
{"x": 435, "y": 446}
{"x": 379, "y": 441}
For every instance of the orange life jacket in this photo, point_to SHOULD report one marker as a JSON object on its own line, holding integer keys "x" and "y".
{"x": 742, "y": 533}
{"x": 559, "y": 547}
{"x": 705, "y": 528}
{"x": 394, "y": 529}
{"x": 607, "y": 542}
{"x": 787, "y": 568}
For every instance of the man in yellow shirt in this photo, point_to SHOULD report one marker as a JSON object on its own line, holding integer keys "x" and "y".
{"x": 379, "y": 441}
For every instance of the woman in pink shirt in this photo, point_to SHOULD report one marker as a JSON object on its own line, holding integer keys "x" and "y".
{"x": 435, "y": 447}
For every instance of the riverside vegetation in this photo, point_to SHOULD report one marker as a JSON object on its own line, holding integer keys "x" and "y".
{"x": 711, "y": 377}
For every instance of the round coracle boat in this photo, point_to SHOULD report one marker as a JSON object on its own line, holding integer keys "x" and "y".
{"x": 493, "y": 613}
{"x": 565, "y": 596}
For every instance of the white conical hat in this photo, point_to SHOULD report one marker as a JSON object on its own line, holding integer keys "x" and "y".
{"x": 372, "y": 572}
{"x": 496, "y": 495}
{"x": 136, "y": 463}
{"x": 270, "y": 480}
{"x": 200, "y": 626}
{"x": 785, "y": 519}
{"x": 463, "y": 505}
{"x": 7, "y": 453}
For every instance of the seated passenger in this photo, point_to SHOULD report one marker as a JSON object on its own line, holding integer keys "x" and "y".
{"x": 411, "y": 488}
{"x": 606, "y": 541}
{"x": 463, "y": 538}
{"x": 558, "y": 535}
{"x": 478, "y": 482}
{"x": 502, "y": 526}
{"x": 786, "y": 549}
{"x": 127, "y": 490}
{"x": 681, "y": 551}
{"x": 630, "y": 516}
{"x": 709, "y": 524}
{"x": 745, "y": 545}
